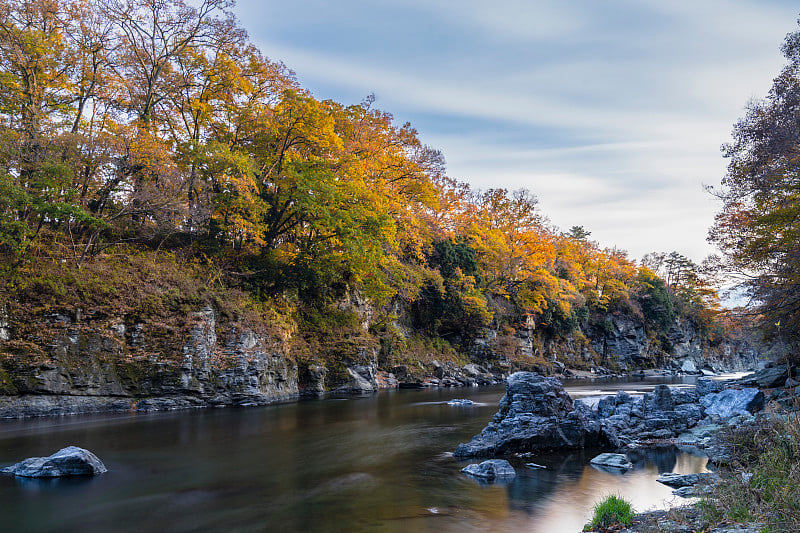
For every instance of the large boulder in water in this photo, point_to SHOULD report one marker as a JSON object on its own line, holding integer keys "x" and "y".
{"x": 69, "y": 461}
{"x": 535, "y": 414}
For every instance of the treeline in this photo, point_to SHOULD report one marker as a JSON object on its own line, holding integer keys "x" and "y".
{"x": 156, "y": 125}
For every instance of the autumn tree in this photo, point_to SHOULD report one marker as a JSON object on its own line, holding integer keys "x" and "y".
{"x": 757, "y": 228}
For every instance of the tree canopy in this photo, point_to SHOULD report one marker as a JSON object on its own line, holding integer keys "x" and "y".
{"x": 158, "y": 125}
{"x": 758, "y": 227}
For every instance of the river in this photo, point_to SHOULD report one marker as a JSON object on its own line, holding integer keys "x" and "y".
{"x": 377, "y": 463}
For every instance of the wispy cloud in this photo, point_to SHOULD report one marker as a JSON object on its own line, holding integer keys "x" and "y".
{"x": 612, "y": 112}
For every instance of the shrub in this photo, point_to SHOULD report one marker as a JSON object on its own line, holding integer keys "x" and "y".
{"x": 613, "y": 510}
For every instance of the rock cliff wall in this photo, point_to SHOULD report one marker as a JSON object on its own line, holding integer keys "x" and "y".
{"x": 76, "y": 363}
{"x": 621, "y": 343}
{"x": 86, "y": 366}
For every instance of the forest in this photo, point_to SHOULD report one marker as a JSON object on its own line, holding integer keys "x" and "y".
{"x": 153, "y": 160}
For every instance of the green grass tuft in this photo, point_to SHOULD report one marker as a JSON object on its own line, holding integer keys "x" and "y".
{"x": 612, "y": 510}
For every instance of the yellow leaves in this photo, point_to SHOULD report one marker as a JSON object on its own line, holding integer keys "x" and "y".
{"x": 147, "y": 153}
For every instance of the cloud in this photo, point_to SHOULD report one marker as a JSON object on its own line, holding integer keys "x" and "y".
{"x": 612, "y": 113}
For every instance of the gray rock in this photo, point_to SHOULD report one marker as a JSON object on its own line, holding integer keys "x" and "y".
{"x": 535, "y": 414}
{"x": 69, "y": 461}
{"x": 698, "y": 435}
{"x": 731, "y": 402}
{"x": 491, "y": 470}
{"x": 362, "y": 379}
{"x": 58, "y": 405}
{"x": 612, "y": 460}
{"x": 460, "y": 402}
{"x": 689, "y": 367}
{"x": 661, "y": 399}
{"x": 610, "y": 405}
{"x": 708, "y": 386}
{"x": 682, "y": 396}
{"x": 767, "y": 378}
{"x": 692, "y": 491}
{"x": 687, "y": 480}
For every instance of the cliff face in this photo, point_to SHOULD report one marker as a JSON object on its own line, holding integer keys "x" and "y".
{"x": 78, "y": 364}
{"x": 626, "y": 342}
{"x": 85, "y": 367}
{"x": 622, "y": 343}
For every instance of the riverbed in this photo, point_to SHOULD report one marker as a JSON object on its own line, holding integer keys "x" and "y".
{"x": 375, "y": 463}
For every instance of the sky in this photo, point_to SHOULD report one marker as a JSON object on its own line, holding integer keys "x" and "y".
{"x": 612, "y": 113}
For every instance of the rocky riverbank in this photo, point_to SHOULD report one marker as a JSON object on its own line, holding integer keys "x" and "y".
{"x": 536, "y": 414}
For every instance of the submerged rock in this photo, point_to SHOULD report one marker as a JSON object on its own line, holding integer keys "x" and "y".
{"x": 491, "y": 470}
{"x": 69, "y": 461}
{"x": 612, "y": 460}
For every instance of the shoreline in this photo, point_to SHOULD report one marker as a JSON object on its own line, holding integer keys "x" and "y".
{"x": 18, "y": 407}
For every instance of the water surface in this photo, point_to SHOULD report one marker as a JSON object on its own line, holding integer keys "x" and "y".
{"x": 377, "y": 463}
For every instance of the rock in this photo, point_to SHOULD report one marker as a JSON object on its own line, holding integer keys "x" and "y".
{"x": 535, "y": 414}
{"x": 461, "y": 402}
{"x": 69, "y": 461}
{"x": 684, "y": 396}
{"x": 534, "y": 466}
{"x": 707, "y": 386}
{"x": 410, "y": 385}
{"x": 386, "y": 380}
{"x": 732, "y": 402}
{"x": 362, "y": 379}
{"x": 612, "y": 460}
{"x": 622, "y": 338}
{"x": 609, "y": 405}
{"x": 661, "y": 399}
{"x": 767, "y": 378}
{"x": 692, "y": 491}
{"x": 687, "y": 480}
{"x": 698, "y": 435}
{"x": 689, "y": 367}
{"x": 491, "y": 470}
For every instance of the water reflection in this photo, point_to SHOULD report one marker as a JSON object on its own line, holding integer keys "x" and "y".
{"x": 380, "y": 463}
{"x": 560, "y": 497}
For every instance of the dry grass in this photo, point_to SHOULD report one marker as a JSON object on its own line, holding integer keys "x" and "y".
{"x": 762, "y": 481}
